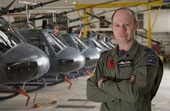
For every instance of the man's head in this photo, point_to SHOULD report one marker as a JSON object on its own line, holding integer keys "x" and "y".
{"x": 124, "y": 25}
{"x": 131, "y": 11}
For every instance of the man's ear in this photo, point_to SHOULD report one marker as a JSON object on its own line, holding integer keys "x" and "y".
{"x": 137, "y": 25}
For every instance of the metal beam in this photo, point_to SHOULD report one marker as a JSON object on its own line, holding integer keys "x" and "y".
{"x": 86, "y": 21}
{"x": 149, "y": 27}
{"x": 121, "y": 4}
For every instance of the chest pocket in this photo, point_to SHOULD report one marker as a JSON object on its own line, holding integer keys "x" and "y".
{"x": 126, "y": 68}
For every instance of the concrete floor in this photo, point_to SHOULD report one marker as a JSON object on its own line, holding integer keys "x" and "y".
{"x": 74, "y": 99}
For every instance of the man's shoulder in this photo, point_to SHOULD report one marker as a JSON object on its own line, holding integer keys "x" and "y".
{"x": 108, "y": 52}
{"x": 150, "y": 52}
{"x": 147, "y": 52}
{"x": 152, "y": 58}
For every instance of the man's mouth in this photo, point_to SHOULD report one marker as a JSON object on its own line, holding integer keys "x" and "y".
{"x": 124, "y": 36}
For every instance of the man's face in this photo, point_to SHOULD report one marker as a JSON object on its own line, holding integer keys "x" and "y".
{"x": 124, "y": 26}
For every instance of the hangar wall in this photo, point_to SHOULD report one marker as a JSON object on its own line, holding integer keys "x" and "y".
{"x": 162, "y": 23}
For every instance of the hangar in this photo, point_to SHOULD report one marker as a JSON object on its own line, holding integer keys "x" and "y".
{"x": 49, "y": 48}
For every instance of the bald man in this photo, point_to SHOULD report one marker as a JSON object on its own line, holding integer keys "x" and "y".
{"x": 126, "y": 77}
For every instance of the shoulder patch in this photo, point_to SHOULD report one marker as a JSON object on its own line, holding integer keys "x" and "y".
{"x": 150, "y": 52}
{"x": 151, "y": 57}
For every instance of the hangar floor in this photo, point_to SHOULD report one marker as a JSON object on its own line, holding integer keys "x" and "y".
{"x": 74, "y": 99}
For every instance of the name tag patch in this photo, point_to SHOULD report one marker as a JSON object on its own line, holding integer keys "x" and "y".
{"x": 125, "y": 63}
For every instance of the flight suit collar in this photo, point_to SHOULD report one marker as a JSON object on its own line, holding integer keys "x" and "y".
{"x": 132, "y": 51}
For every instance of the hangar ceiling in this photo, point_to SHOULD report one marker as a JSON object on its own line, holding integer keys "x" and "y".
{"x": 62, "y": 3}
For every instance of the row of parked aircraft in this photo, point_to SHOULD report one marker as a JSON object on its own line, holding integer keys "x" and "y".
{"x": 42, "y": 57}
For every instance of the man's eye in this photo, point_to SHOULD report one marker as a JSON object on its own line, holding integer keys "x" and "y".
{"x": 127, "y": 25}
{"x": 116, "y": 25}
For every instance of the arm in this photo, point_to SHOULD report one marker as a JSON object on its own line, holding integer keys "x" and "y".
{"x": 145, "y": 77}
{"x": 94, "y": 93}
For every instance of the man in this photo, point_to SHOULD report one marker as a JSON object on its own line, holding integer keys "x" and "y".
{"x": 127, "y": 77}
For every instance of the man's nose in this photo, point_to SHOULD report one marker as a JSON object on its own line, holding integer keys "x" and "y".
{"x": 123, "y": 28}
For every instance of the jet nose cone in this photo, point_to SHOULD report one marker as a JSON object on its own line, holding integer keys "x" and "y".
{"x": 43, "y": 65}
{"x": 70, "y": 60}
{"x": 91, "y": 56}
{"x": 25, "y": 62}
{"x": 42, "y": 60}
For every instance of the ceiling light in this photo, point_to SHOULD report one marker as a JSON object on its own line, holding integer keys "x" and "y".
{"x": 74, "y": 1}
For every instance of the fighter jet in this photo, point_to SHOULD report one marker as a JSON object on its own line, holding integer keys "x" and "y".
{"x": 20, "y": 61}
{"x": 91, "y": 41}
{"x": 63, "y": 58}
{"x": 91, "y": 54}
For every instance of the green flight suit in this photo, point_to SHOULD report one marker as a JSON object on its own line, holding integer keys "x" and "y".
{"x": 118, "y": 94}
